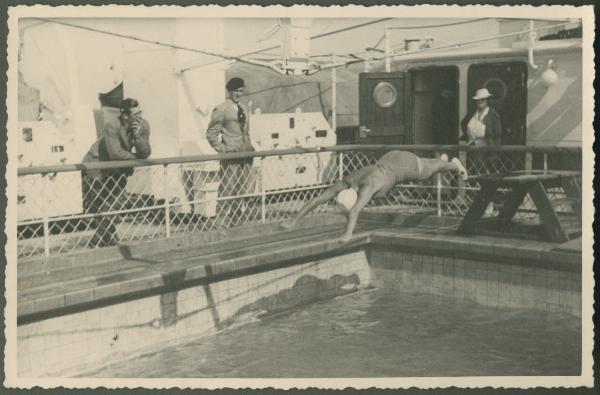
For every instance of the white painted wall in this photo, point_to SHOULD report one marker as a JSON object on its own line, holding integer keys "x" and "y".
{"x": 72, "y": 66}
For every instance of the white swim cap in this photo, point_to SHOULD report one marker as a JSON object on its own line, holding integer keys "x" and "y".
{"x": 346, "y": 198}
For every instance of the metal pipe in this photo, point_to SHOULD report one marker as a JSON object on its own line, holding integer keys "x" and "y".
{"x": 341, "y": 166}
{"x": 388, "y": 50}
{"x": 334, "y": 99}
{"x": 239, "y": 155}
{"x": 45, "y": 219}
{"x": 438, "y": 182}
{"x": 263, "y": 194}
{"x": 166, "y": 205}
{"x": 530, "y": 45}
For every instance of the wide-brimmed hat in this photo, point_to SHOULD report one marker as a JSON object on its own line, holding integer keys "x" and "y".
{"x": 482, "y": 94}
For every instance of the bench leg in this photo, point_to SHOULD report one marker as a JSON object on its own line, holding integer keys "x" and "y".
{"x": 511, "y": 205}
{"x": 573, "y": 192}
{"x": 548, "y": 217}
{"x": 477, "y": 209}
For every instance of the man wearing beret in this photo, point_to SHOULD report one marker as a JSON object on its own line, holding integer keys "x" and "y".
{"x": 228, "y": 132}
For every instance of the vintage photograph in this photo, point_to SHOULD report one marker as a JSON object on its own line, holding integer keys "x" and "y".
{"x": 299, "y": 197}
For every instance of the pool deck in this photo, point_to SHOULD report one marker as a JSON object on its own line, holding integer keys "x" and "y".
{"x": 94, "y": 278}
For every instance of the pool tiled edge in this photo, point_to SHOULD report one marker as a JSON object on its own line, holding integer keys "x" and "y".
{"x": 495, "y": 275}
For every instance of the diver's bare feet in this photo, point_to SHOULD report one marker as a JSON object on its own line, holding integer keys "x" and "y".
{"x": 462, "y": 171}
{"x": 288, "y": 225}
{"x": 345, "y": 238}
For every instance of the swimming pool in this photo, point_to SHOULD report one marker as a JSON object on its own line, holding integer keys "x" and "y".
{"x": 198, "y": 296}
{"x": 375, "y": 333}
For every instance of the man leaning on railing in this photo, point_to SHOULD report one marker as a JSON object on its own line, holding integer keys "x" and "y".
{"x": 124, "y": 138}
{"x": 228, "y": 131}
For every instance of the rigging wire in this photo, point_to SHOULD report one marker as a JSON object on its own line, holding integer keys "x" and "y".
{"x": 201, "y": 51}
{"x": 436, "y": 26}
{"x": 457, "y": 45}
{"x": 353, "y": 55}
{"x": 155, "y": 42}
{"x": 310, "y": 38}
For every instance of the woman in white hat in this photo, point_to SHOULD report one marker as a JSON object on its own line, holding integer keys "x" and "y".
{"x": 483, "y": 127}
{"x": 355, "y": 190}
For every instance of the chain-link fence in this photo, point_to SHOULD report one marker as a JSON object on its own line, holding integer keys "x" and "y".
{"x": 73, "y": 207}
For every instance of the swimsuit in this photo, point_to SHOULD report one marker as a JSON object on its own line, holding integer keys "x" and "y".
{"x": 392, "y": 168}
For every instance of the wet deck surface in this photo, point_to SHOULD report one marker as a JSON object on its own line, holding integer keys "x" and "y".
{"x": 48, "y": 288}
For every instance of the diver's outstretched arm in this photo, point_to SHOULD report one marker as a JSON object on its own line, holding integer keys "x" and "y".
{"x": 326, "y": 196}
{"x": 365, "y": 193}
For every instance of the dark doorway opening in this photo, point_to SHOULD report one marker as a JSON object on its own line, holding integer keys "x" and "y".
{"x": 507, "y": 82}
{"x": 435, "y": 105}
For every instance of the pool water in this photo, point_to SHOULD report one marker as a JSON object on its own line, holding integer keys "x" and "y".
{"x": 375, "y": 333}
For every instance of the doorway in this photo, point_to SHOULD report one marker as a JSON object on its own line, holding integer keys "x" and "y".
{"x": 435, "y": 108}
{"x": 383, "y": 109}
{"x": 507, "y": 82}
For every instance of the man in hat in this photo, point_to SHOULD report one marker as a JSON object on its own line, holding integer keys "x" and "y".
{"x": 228, "y": 132}
{"x": 355, "y": 190}
{"x": 122, "y": 138}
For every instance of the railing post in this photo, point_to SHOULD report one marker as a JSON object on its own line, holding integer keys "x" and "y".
{"x": 46, "y": 222}
{"x": 545, "y": 161}
{"x": 167, "y": 204}
{"x": 334, "y": 99}
{"x": 263, "y": 193}
{"x": 341, "y": 166}
{"x": 438, "y": 179}
{"x": 388, "y": 50}
{"x": 462, "y": 185}
{"x": 528, "y": 160}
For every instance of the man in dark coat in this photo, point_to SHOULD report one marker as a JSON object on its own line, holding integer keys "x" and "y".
{"x": 124, "y": 138}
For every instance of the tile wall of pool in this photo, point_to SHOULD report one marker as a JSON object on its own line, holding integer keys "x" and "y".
{"x": 67, "y": 344}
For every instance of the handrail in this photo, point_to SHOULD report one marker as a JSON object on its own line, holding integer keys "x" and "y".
{"x": 253, "y": 154}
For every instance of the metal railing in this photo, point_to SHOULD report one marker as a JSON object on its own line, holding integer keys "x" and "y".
{"x": 68, "y": 207}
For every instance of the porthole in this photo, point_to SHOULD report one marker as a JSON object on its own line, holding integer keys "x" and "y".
{"x": 497, "y": 88}
{"x": 385, "y": 94}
